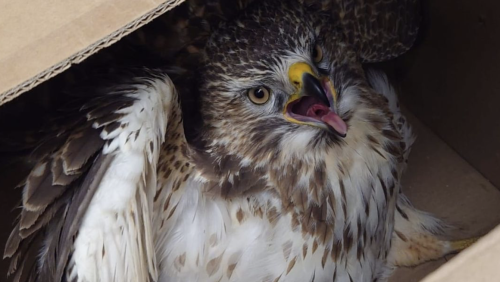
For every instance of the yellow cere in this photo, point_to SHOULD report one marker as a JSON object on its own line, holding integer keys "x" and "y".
{"x": 296, "y": 71}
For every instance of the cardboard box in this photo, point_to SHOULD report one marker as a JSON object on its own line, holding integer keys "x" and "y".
{"x": 42, "y": 38}
{"x": 449, "y": 82}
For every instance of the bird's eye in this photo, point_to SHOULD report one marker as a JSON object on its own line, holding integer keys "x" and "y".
{"x": 317, "y": 54}
{"x": 259, "y": 95}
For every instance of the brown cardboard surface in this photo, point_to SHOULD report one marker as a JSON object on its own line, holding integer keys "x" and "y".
{"x": 439, "y": 181}
{"x": 478, "y": 264}
{"x": 41, "y": 38}
{"x": 452, "y": 79}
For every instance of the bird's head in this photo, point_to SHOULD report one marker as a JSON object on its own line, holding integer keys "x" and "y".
{"x": 280, "y": 79}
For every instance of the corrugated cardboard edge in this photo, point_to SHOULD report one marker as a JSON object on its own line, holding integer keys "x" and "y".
{"x": 13, "y": 93}
{"x": 479, "y": 263}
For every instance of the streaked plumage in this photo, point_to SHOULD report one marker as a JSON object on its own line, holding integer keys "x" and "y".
{"x": 257, "y": 191}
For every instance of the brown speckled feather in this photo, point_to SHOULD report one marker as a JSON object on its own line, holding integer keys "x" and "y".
{"x": 379, "y": 30}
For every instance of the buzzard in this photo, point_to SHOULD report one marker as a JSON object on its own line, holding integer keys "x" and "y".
{"x": 288, "y": 170}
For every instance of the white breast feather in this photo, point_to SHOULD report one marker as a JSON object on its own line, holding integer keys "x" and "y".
{"x": 204, "y": 227}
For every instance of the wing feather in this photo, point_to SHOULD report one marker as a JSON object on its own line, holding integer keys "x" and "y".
{"x": 86, "y": 206}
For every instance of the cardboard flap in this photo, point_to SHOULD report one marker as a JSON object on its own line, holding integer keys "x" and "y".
{"x": 41, "y": 38}
{"x": 480, "y": 263}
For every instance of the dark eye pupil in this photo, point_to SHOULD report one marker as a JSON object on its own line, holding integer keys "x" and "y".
{"x": 315, "y": 53}
{"x": 259, "y": 93}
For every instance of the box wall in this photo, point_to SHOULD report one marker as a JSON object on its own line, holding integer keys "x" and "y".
{"x": 452, "y": 79}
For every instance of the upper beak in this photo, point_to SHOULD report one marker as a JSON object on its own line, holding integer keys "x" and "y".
{"x": 306, "y": 82}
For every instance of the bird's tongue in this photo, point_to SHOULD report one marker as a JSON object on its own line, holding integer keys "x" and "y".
{"x": 336, "y": 122}
{"x": 323, "y": 113}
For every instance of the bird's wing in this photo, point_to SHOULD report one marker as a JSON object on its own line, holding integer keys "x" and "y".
{"x": 380, "y": 30}
{"x": 86, "y": 205}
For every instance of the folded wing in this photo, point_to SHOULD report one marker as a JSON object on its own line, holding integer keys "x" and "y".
{"x": 87, "y": 203}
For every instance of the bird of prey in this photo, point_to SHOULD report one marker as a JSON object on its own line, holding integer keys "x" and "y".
{"x": 290, "y": 172}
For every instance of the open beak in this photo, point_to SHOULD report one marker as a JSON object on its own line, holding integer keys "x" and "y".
{"x": 314, "y": 100}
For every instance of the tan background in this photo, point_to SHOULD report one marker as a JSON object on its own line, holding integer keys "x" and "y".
{"x": 451, "y": 80}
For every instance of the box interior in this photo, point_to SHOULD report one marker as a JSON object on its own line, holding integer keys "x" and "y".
{"x": 447, "y": 84}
